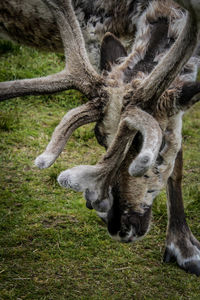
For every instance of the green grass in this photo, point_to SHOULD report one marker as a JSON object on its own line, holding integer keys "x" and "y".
{"x": 52, "y": 247}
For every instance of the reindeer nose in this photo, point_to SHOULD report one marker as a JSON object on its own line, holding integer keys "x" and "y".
{"x": 88, "y": 204}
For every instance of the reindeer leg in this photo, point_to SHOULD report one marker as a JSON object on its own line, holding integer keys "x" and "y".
{"x": 181, "y": 245}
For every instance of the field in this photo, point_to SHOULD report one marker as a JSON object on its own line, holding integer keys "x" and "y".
{"x": 52, "y": 247}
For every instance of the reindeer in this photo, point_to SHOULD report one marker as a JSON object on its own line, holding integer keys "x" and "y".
{"x": 137, "y": 103}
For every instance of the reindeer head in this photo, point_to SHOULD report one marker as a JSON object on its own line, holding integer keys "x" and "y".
{"x": 136, "y": 110}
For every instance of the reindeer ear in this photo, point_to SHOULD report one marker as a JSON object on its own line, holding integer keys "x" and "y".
{"x": 111, "y": 51}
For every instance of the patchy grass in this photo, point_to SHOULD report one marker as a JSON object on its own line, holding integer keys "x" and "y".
{"x": 52, "y": 247}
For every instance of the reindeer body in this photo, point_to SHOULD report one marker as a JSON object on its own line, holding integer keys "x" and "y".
{"x": 33, "y": 24}
{"x": 134, "y": 93}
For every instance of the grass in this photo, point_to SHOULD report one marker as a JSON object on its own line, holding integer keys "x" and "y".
{"x": 52, "y": 247}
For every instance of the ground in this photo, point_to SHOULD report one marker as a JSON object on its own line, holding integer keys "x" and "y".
{"x": 52, "y": 247}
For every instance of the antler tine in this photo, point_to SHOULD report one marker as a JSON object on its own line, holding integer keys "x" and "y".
{"x": 75, "y": 118}
{"x": 94, "y": 181}
{"x": 170, "y": 65}
{"x": 77, "y": 61}
{"x": 147, "y": 93}
{"x": 152, "y": 138}
{"x": 78, "y": 73}
{"x": 181, "y": 51}
{"x": 37, "y": 86}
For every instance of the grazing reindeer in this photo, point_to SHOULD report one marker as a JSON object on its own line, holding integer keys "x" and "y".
{"x": 138, "y": 102}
